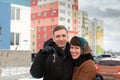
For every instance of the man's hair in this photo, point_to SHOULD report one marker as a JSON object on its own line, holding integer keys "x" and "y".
{"x": 59, "y": 28}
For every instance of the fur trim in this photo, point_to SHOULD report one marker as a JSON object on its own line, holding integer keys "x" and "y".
{"x": 82, "y": 58}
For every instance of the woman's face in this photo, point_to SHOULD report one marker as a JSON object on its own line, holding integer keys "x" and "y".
{"x": 75, "y": 51}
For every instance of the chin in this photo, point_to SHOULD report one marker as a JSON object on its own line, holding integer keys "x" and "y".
{"x": 74, "y": 57}
{"x": 61, "y": 46}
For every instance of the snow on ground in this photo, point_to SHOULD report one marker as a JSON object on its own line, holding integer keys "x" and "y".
{"x": 16, "y": 73}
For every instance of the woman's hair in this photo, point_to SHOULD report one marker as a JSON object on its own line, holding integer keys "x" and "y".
{"x": 75, "y": 41}
{"x": 79, "y": 41}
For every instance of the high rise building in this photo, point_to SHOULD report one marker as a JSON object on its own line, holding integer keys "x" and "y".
{"x": 96, "y": 35}
{"x": 47, "y": 14}
{"x": 83, "y": 24}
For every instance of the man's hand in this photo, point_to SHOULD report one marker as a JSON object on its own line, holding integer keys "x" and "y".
{"x": 47, "y": 50}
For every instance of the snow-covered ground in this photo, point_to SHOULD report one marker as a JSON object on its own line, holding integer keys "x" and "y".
{"x": 16, "y": 73}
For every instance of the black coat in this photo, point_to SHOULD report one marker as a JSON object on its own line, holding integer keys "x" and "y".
{"x": 49, "y": 67}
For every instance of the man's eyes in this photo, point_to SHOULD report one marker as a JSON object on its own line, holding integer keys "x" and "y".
{"x": 61, "y": 36}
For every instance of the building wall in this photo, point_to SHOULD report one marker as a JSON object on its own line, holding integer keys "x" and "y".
{"x": 5, "y": 26}
{"x": 99, "y": 36}
{"x": 22, "y": 27}
{"x": 41, "y": 17}
{"x": 15, "y": 58}
{"x": 46, "y": 15}
{"x": 92, "y": 35}
{"x": 84, "y": 24}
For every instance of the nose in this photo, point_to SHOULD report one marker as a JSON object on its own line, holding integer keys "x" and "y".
{"x": 61, "y": 38}
{"x": 72, "y": 50}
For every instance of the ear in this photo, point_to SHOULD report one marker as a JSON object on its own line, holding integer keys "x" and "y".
{"x": 68, "y": 38}
{"x": 53, "y": 38}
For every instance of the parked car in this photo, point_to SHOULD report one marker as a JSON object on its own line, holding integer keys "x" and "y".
{"x": 97, "y": 58}
{"x": 109, "y": 68}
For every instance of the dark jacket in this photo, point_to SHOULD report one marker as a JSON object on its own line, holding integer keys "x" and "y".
{"x": 84, "y": 68}
{"x": 49, "y": 67}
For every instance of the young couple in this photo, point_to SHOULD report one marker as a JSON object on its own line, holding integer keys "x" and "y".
{"x": 60, "y": 60}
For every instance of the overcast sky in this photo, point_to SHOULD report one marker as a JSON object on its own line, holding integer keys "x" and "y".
{"x": 109, "y": 12}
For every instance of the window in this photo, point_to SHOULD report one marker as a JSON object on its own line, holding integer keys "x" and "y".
{"x": 109, "y": 63}
{"x": 62, "y": 18}
{"x": 75, "y": 14}
{"x": 33, "y": 15}
{"x": 74, "y": 1}
{"x": 62, "y": 11}
{"x": 68, "y": 13}
{"x": 38, "y": 43}
{"x": 52, "y": 27}
{"x": 53, "y": 12}
{"x": 52, "y": 19}
{"x": 15, "y": 13}
{"x": 52, "y": 5}
{"x": 12, "y": 39}
{"x": 15, "y": 38}
{"x": 39, "y": 21}
{"x": 39, "y": 6}
{"x": 33, "y": 1}
{"x": 44, "y": 28}
{"x": 68, "y": 20}
{"x": 45, "y": 21}
{"x": 39, "y": 13}
{"x": 38, "y": 36}
{"x": 45, "y": 13}
{"x": 68, "y": 27}
{"x": 44, "y": 35}
{"x": 68, "y": 5}
{"x": 33, "y": 43}
{"x": 33, "y": 50}
{"x": 38, "y": 29}
{"x": 44, "y": 5}
{"x": 33, "y": 36}
{"x": 75, "y": 21}
{"x": 62, "y": 3}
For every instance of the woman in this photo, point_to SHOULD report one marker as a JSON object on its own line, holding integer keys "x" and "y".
{"x": 83, "y": 61}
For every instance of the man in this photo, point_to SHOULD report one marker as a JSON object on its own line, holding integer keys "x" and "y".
{"x": 54, "y": 62}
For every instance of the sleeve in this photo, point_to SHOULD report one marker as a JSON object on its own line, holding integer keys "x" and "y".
{"x": 88, "y": 71}
{"x": 38, "y": 66}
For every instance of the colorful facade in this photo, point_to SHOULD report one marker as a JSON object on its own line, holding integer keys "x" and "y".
{"x": 46, "y": 15}
{"x": 96, "y": 36}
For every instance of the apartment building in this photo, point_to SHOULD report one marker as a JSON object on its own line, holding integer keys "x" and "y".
{"x": 14, "y": 27}
{"x": 47, "y": 14}
{"x": 20, "y": 29}
{"x": 96, "y": 36}
{"x": 83, "y": 17}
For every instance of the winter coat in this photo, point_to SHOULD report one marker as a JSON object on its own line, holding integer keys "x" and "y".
{"x": 84, "y": 68}
{"x": 54, "y": 66}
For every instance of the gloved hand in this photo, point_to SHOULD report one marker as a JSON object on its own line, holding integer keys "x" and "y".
{"x": 98, "y": 77}
{"x": 47, "y": 50}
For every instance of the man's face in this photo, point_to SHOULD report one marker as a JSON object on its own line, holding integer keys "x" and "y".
{"x": 60, "y": 37}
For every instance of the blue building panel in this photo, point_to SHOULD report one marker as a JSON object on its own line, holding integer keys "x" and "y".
{"x": 4, "y": 26}
{"x": 20, "y": 2}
